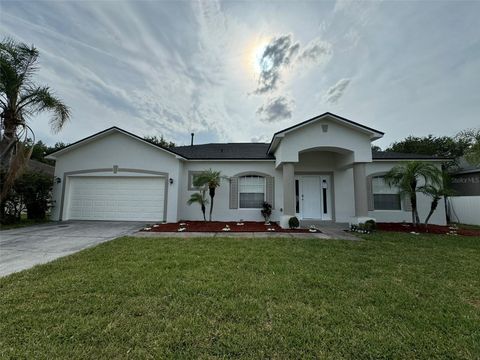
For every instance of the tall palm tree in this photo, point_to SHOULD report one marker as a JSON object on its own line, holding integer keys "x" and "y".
{"x": 199, "y": 198}
{"x": 210, "y": 179}
{"x": 20, "y": 100}
{"x": 407, "y": 177}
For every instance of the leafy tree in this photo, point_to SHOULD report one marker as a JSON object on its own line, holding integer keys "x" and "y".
{"x": 159, "y": 141}
{"x": 211, "y": 179}
{"x": 20, "y": 100}
{"x": 472, "y": 137}
{"x": 376, "y": 148}
{"x": 199, "y": 198}
{"x": 406, "y": 177}
{"x": 443, "y": 146}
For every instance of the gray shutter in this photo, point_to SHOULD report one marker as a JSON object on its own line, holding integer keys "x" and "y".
{"x": 406, "y": 203}
{"x": 270, "y": 190}
{"x": 371, "y": 206}
{"x": 234, "y": 193}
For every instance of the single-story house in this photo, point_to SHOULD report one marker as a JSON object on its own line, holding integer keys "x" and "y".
{"x": 321, "y": 169}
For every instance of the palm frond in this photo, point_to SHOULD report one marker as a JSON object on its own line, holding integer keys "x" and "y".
{"x": 41, "y": 99}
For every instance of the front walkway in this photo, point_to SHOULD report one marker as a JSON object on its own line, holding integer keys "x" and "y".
{"x": 333, "y": 231}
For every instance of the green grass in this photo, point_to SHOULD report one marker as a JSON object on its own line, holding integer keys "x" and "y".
{"x": 391, "y": 296}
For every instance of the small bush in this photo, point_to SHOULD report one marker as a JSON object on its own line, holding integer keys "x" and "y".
{"x": 266, "y": 211}
{"x": 293, "y": 222}
{"x": 370, "y": 225}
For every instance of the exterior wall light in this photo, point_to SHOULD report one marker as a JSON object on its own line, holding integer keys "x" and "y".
{"x": 58, "y": 180}
{"x": 324, "y": 184}
{"x": 170, "y": 181}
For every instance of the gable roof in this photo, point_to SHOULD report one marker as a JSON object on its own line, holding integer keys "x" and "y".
{"x": 222, "y": 151}
{"x": 102, "y": 133}
{"x": 374, "y": 134}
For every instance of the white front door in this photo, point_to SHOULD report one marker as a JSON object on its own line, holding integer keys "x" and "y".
{"x": 313, "y": 194}
{"x": 311, "y": 197}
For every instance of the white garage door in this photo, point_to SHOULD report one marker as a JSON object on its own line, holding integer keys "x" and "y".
{"x": 116, "y": 198}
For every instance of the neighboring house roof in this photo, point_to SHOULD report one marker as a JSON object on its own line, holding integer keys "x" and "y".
{"x": 374, "y": 134}
{"x": 104, "y": 133}
{"x": 219, "y": 151}
{"x": 465, "y": 168}
{"x": 39, "y": 167}
{"x": 390, "y": 155}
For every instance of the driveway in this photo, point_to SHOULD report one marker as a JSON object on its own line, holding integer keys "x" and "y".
{"x": 29, "y": 246}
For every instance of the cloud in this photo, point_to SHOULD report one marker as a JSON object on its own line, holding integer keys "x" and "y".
{"x": 315, "y": 52}
{"x": 336, "y": 91}
{"x": 260, "y": 139}
{"x": 278, "y": 54}
{"x": 276, "y": 109}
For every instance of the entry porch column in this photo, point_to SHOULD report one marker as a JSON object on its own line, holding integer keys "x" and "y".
{"x": 288, "y": 194}
{"x": 360, "y": 190}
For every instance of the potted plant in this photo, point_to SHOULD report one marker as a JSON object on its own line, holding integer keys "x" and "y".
{"x": 266, "y": 212}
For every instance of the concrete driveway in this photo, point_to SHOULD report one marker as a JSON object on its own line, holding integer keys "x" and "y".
{"x": 29, "y": 246}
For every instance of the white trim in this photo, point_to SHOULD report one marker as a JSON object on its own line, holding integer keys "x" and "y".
{"x": 82, "y": 142}
{"x": 376, "y": 135}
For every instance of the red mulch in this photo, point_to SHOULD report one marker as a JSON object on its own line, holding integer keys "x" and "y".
{"x": 217, "y": 226}
{"x": 432, "y": 229}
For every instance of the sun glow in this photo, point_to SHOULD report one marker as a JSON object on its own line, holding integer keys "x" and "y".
{"x": 255, "y": 58}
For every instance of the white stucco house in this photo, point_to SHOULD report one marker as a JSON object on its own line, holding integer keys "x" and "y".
{"x": 321, "y": 169}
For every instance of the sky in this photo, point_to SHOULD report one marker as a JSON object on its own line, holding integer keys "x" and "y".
{"x": 238, "y": 71}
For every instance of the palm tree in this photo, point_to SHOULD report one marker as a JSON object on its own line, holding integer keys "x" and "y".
{"x": 436, "y": 192}
{"x": 407, "y": 177}
{"x": 199, "y": 198}
{"x": 20, "y": 100}
{"x": 210, "y": 179}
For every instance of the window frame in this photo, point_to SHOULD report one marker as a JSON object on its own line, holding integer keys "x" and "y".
{"x": 264, "y": 190}
{"x": 191, "y": 176}
{"x": 395, "y": 191}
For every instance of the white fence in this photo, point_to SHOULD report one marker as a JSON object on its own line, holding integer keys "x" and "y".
{"x": 464, "y": 209}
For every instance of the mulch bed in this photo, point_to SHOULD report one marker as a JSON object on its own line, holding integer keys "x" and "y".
{"x": 432, "y": 229}
{"x": 217, "y": 226}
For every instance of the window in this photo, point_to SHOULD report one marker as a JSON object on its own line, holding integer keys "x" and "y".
{"x": 384, "y": 196}
{"x": 251, "y": 192}
{"x": 192, "y": 175}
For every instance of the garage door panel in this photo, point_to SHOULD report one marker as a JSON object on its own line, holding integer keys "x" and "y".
{"x": 116, "y": 198}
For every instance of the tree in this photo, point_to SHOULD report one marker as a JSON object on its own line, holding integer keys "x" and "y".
{"x": 211, "y": 179}
{"x": 200, "y": 199}
{"x": 407, "y": 176}
{"x": 20, "y": 100}
{"x": 159, "y": 141}
{"x": 436, "y": 192}
{"x": 472, "y": 138}
{"x": 376, "y": 148}
{"x": 443, "y": 147}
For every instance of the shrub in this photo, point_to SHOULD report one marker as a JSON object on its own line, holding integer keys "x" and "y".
{"x": 30, "y": 192}
{"x": 266, "y": 211}
{"x": 293, "y": 222}
{"x": 370, "y": 225}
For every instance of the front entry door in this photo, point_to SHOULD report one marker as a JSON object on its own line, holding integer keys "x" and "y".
{"x": 311, "y": 197}
{"x": 313, "y": 193}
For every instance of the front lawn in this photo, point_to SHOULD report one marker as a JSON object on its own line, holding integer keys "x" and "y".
{"x": 390, "y": 296}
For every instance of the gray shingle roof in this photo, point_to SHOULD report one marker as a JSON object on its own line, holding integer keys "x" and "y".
{"x": 238, "y": 151}
{"x": 390, "y": 155}
{"x": 258, "y": 151}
